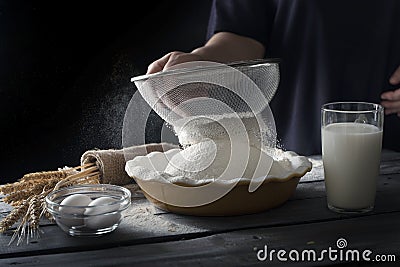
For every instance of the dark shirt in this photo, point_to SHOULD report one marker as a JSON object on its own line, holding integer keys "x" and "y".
{"x": 331, "y": 50}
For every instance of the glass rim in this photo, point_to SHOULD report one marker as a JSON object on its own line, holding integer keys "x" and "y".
{"x": 330, "y": 107}
{"x": 125, "y": 194}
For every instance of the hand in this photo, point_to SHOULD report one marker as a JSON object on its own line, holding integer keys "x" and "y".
{"x": 222, "y": 47}
{"x": 169, "y": 99}
{"x": 172, "y": 59}
{"x": 391, "y": 99}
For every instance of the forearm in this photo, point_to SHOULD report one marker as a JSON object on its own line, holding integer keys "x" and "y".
{"x": 223, "y": 47}
{"x": 228, "y": 47}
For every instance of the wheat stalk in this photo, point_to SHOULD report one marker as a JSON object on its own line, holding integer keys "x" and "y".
{"x": 14, "y": 216}
{"x": 27, "y": 196}
{"x": 34, "y": 189}
{"x": 45, "y": 175}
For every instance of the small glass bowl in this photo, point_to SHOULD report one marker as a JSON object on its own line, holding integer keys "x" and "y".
{"x": 89, "y": 220}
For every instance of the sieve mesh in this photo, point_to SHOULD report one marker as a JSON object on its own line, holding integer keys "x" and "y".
{"x": 210, "y": 89}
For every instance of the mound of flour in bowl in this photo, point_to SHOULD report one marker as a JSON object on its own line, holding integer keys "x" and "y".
{"x": 211, "y": 160}
{"x": 152, "y": 168}
{"x": 224, "y": 147}
{"x": 220, "y": 146}
{"x": 238, "y": 126}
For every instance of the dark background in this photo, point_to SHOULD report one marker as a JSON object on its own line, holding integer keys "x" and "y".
{"x": 65, "y": 69}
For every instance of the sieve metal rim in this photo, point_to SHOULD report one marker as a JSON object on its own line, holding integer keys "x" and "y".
{"x": 235, "y": 64}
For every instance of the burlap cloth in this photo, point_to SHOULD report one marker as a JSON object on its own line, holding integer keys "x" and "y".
{"x": 111, "y": 162}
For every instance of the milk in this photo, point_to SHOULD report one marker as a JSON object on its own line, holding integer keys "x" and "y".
{"x": 351, "y": 156}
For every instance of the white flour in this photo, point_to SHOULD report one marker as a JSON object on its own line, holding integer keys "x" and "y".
{"x": 241, "y": 126}
{"x": 215, "y": 145}
{"x": 208, "y": 153}
{"x": 153, "y": 168}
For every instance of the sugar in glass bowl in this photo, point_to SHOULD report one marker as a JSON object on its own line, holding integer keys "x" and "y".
{"x": 86, "y": 210}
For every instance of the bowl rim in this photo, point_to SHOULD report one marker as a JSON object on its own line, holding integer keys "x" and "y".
{"x": 126, "y": 195}
{"x": 242, "y": 181}
{"x": 301, "y": 170}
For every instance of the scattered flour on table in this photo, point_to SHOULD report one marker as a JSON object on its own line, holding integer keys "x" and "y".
{"x": 317, "y": 172}
{"x": 142, "y": 215}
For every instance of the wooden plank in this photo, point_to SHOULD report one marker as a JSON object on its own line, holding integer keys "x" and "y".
{"x": 316, "y": 189}
{"x": 390, "y": 155}
{"x": 143, "y": 226}
{"x": 376, "y": 233}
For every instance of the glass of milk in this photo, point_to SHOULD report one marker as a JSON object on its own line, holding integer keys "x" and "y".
{"x": 351, "y": 151}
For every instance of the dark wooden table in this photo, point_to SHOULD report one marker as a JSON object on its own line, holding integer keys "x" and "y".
{"x": 151, "y": 237}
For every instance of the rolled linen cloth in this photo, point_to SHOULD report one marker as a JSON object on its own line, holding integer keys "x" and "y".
{"x": 111, "y": 162}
